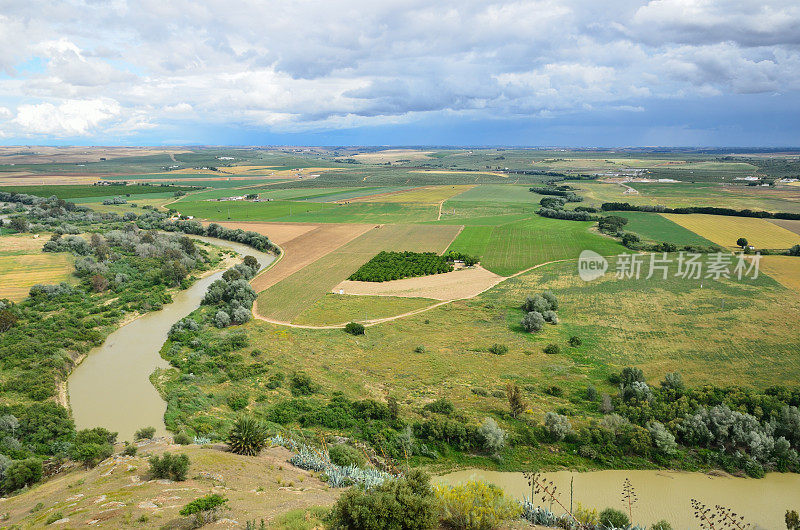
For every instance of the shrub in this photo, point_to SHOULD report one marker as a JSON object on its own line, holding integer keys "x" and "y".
{"x": 532, "y": 322}
{"x": 354, "y": 328}
{"x": 440, "y": 406}
{"x": 53, "y": 517}
{"x": 346, "y": 455}
{"x": 205, "y": 509}
{"x": 557, "y": 426}
{"x": 407, "y": 503}
{"x": 145, "y": 433}
{"x": 498, "y": 349}
{"x": 92, "y": 446}
{"x": 222, "y": 319}
{"x": 237, "y": 402}
{"x": 301, "y": 384}
{"x": 182, "y": 438}
{"x": 611, "y": 518}
{"x": 21, "y": 473}
{"x": 475, "y": 505}
{"x": 551, "y": 299}
{"x": 661, "y": 525}
{"x": 130, "y": 449}
{"x": 248, "y": 436}
{"x": 494, "y": 438}
{"x": 550, "y": 316}
{"x": 515, "y": 402}
{"x": 552, "y": 349}
{"x": 575, "y": 341}
{"x": 168, "y": 466}
{"x": 554, "y": 390}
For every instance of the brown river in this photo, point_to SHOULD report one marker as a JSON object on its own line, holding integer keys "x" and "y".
{"x": 111, "y": 388}
{"x": 661, "y": 494}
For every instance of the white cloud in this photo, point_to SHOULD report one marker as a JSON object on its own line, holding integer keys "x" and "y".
{"x": 70, "y": 118}
{"x": 312, "y": 64}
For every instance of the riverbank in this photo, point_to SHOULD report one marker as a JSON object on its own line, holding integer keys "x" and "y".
{"x": 111, "y": 387}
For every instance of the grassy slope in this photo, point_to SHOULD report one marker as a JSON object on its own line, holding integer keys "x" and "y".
{"x": 510, "y": 248}
{"x": 336, "y": 309}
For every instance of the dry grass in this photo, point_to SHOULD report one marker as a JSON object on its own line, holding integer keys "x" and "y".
{"x": 392, "y": 155}
{"x": 307, "y": 248}
{"x": 119, "y": 492}
{"x": 462, "y": 283}
{"x": 426, "y": 195}
{"x": 334, "y": 309}
{"x": 783, "y": 269}
{"x": 23, "y": 265}
{"x": 725, "y": 230}
{"x": 278, "y": 233}
{"x": 285, "y": 300}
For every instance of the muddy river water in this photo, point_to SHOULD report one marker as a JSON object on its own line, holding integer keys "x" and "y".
{"x": 661, "y": 494}
{"x": 111, "y": 388}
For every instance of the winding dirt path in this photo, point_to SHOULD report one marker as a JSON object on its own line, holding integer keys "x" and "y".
{"x": 376, "y": 321}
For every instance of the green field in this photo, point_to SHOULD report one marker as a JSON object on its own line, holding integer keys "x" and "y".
{"x": 509, "y": 248}
{"x": 82, "y": 192}
{"x": 290, "y": 297}
{"x": 657, "y": 228}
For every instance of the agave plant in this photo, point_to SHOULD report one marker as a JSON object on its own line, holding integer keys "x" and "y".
{"x": 248, "y": 436}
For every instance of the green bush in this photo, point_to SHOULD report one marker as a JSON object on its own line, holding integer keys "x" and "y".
{"x": 440, "y": 406}
{"x": 248, "y": 436}
{"x": 498, "y": 349}
{"x": 301, "y": 384}
{"x": 21, "y": 473}
{"x": 475, "y": 506}
{"x": 53, "y": 517}
{"x": 354, "y": 328}
{"x": 130, "y": 449}
{"x": 611, "y": 518}
{"x": 575, "y": 341}
{"x": 238, "y": 402}
{"x": 168, "y": 466}
{"x": 346, "y": 455}
{"x": 661, "y": 525}
{"x": 182, "y": 438}
{"x": 145, "y": 433}
{"x": 205, "y": 509}
{"x": 552, "y": 349}
{"x": 406, "y": 503}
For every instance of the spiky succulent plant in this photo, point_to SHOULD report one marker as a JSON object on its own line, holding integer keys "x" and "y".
{"x": 248, "y": 436}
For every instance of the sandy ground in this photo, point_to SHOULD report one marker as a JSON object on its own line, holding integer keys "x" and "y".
{"x": 306, "y": 248}
{"x": 278, "y": 233}
{"x": 461, "y": 283}
{"x": 120, "y": 494}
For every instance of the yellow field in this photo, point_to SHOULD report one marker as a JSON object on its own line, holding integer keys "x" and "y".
{"x": 783, "y": 269}
{"x": 725, "y": 230}
{"x": 427, "y": 195}
{"x": 23, "y": 265}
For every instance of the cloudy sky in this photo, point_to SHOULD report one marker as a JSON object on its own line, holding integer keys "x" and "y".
{"x": 409, "y": 72}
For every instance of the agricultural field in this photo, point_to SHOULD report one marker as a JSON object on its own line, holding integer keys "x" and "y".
{"x": 793, "y": 226}
{"x": 513, "y": 247}
{"x": 428, "y": 195}
{"x": 677, "y": 194}
{"x": 725, "y": 230}
{"x": 23, "y": 265}
{"x": 783, "y": 269}
{"x": 461, "y": 283}
{"x": 655, "y": 227}
{"x": 288, "y": 298}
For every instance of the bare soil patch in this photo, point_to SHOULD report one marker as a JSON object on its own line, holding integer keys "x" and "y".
{"x": 306, "y": 248}
{"x": 461, "y": 283}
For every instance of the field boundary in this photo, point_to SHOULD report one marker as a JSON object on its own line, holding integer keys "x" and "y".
{"x": 376, "y": 321}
